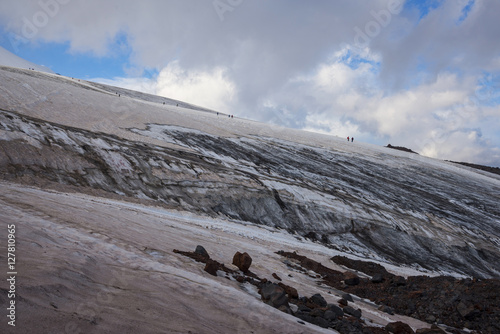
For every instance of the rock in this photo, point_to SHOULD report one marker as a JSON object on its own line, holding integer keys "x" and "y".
{"x": 202, "y": 251}
{"x": 347, "y": 297}
{"x": 386, "y": 309}
{"x": 352, "y": 311}
{"x": 290, "y": 291}
{"x": 399, "y": 328}
{"x": 318, "y": 300}
{"x": 351, "y": 279}
{"x": 294, "y": 308}
{"x": 321, "y": 322}
{"x": 274, "y": 295}
{"x": 286, "y": 309}
{"x": 336, "y": 310}
{"x": 317, "y": 312}
{"x": 242, "y": 261}
{"x": 304, "y": 309}
{"x": 330, "y": 315}
{"x": 277, "y": 277}
{"x": 343, "y": 302}
{"x": 211, "y": 268}
{"x": 377, "y": 278}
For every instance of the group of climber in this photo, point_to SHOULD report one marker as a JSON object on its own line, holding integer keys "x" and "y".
{"x": 352, "y": 139}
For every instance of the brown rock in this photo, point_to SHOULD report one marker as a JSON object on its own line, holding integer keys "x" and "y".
{"x": 290, "y": 291}
{"x": 242, "y": 261}
{"x": 276, "y": 277}
{"x": 211, "y": 268}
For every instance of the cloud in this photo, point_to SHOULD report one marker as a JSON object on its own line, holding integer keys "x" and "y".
{"x": 211, "y": 89}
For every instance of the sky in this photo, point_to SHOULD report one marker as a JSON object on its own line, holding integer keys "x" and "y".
{"x": 420, "y": 74}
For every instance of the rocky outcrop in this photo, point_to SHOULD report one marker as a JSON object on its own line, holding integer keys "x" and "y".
{"x": 458, "y": 303}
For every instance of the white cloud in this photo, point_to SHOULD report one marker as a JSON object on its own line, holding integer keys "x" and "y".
{"x": 211, "y": 88}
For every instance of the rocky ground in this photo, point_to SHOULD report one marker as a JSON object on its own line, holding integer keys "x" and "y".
{"x": 457, "y": 305}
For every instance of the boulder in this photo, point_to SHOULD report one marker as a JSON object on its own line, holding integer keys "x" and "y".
{"x": 351, "y": 279}
{"x": 347, "y": 297}
{"x": 274, "y": 295}
{"x": 211, "y": 268}
{"x": 202, "y": 251}
{"x": 337, "y": 311}
{"x": 399, "y": 328}
{"x": 242, "y": 261}
{"x": 352, "y": 311}
{"x": 290, "y": 291}
{"x": 318, "y": 300}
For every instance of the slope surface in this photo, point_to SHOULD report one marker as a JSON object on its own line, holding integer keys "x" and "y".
{"x": 366, "y": 200}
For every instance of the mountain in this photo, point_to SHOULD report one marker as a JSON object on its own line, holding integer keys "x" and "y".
{"x": 104, "y": 183}
{"x": 7, "y": 58}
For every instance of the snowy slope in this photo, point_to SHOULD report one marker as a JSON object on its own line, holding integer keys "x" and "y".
{"x": 120, "y": 254}
{"x": 9, "y": 59}
{"x": 413, "y": 214}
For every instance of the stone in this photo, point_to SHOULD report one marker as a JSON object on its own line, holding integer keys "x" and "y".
{"x": 277, "y": 277}
{"x": 352, "y": 311}
{"x": 304, "y": 309}
{"x": 343, "y": 302}
{"x": 202, "y": 251}
{"x": 290, "y": 291}
{"x": 399, "y": 328}
{"x": 386, "y": 309}
{"x": 318, "y": 300}
{"x": 351, "y": 279}
{"x": 211, "y": 268}
{"x": 330, "y": 315}
{"x": 347, "y": 297}
{"x": 321, "y": 322}
{"x": 339, "y": 313}
{"x": 317, "y": 312}
{"x": 243, "y": 261}
{"x": 274, "y": 295}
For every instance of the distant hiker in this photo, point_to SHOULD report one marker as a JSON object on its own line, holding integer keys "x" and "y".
{"x": 347, "y": 139}
{"x": 232, "y": 116}
{"x": 352, "y": 139}
{"x": 217, "y": 114}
